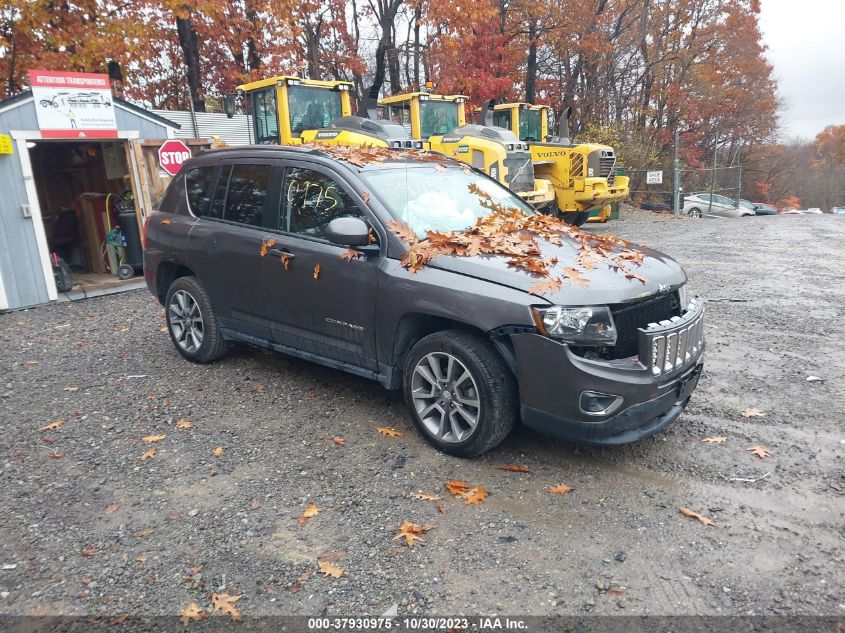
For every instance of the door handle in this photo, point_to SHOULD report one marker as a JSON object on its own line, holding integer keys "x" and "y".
{"x": 277, "y": 252}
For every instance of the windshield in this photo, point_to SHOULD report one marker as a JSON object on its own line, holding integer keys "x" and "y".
{"x": 312, "y": 108}
{"x": 432, "y": 200}
{"x": 438, "y": 117}
{"x": 529, "y": 125}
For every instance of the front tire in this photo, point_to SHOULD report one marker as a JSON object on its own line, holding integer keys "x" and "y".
{"x": 695, "y": 212}
{"x": 191, "y": 321}
{"x": 460, "y": 394}
{"x": 576, "y": 218}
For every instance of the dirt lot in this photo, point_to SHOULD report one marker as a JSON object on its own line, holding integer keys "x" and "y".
{"x": 88, "y": 528}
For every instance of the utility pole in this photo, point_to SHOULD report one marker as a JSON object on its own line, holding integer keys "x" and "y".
{"x": 738, "y": 159}
{"x": 713, "y": 174}
{"x": 676, "y": 187}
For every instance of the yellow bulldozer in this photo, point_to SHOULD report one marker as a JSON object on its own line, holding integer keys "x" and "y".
{"x": 439, "y": 121}
{"x": 289, "y": 110}
{"x": 583, "y": 175}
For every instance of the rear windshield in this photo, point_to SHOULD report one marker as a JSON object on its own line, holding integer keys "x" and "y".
{"x": 433, "y": 199}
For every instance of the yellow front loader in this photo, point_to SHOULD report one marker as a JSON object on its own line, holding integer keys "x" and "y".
{"x": 290, "y": 110}
{"x": 583, "y": 175}
{"x": 440, "y": 122}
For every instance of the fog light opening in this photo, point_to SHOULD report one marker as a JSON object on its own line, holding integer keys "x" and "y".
{"x": 596, "y": 403}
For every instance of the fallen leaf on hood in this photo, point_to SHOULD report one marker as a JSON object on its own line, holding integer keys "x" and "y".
{"x": 350, "y": 253}
{"x": 560, "y": 489}
{"x": 316, "y": 271}
{"x": 388, "y": 431}
{"x": 751, "y": 412}
{"x": 71, "y": 389}
{"x": 760, "y": 451}
{"x": 307, "y": 513}
{"x": 411, "y": 531}
{"x": 695, "y": 515}
{"x": 328, "y": 568}
{"x": 225, "y": 604}
{"x": 152, "y": 439}
{"x": 53, "y": 426}
{"x": 112, "y": 507}
{"x": 515, "y": 469}
{"x": 192, "y": 612}
{"x": 339, "y": 441}
{"x": 577, "y": 277}
{"x": 184, "y": 424}
{"x": 218, "y": 451}
{"x": 148, "y": 454}
{"x": 266, "y": 245}
{"x": 715, "y": 439}
{"x": 475, "y": 496}
{"x": 403, "y": 230}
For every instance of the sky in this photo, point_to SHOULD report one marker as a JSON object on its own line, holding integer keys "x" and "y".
{"x": 806, "y": 42}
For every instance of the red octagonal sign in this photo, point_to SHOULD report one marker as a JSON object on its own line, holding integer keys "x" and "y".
{"x": 171, "y": 155}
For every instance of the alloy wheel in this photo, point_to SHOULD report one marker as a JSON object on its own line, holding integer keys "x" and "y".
{"x": 185, "y": 321}
{"x": 445, "y": 397}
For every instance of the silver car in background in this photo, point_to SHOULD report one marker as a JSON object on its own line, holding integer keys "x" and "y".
{"x": 699, "y": 205}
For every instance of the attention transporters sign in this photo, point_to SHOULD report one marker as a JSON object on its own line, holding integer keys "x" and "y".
{"x": 73, "y": 105}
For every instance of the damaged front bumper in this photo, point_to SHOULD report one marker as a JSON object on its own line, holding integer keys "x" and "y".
{"x": 610, "y": 402}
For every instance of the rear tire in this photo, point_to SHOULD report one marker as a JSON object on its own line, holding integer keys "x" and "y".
{"x": 191, "y": 321}
{"x": 460, "y": 394}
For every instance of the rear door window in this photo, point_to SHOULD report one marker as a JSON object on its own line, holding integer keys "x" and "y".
{"x": 198, "y": 189}
{"x": 241, "y": 194}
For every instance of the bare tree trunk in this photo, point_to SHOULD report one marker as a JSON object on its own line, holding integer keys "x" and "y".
{"x": 188, "y": 43}
{"x": 531, "y": 64}
{"x": 417, "y": 18}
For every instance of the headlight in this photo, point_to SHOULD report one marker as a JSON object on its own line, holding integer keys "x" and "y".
{"x": 585, "y": 325}
{"x": 683, "y": 297}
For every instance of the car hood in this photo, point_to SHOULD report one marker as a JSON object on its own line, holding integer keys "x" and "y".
{"x": 606, "y": 285}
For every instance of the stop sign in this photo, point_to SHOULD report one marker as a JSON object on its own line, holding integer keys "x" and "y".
{"x": 171, "y": 155}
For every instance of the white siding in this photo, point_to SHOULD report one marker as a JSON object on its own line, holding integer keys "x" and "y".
{"x": 234, "y": 131}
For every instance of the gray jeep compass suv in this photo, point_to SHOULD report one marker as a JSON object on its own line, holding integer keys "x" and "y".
{"x": 414, "y": 270}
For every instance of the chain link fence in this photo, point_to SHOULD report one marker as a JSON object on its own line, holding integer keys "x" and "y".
{"x": 653, "y": 188}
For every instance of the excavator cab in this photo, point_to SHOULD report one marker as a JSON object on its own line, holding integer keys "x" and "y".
{"x": 439, "y": 121}
{"x": 290, "y": 110}
{"x": 583, "y": 174}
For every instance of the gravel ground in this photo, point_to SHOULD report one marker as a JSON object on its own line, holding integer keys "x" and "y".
{"x": 89, "y": 528}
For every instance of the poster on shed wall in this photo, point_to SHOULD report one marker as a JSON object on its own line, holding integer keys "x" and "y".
{"x": 73, "y": 105}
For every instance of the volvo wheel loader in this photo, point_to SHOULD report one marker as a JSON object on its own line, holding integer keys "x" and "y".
{"x": 289, "y": 110}
{"x": 583, "y": 174}
{"x": 439, "y": 121}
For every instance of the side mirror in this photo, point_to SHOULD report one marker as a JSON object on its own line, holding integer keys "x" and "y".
{"x": 347, "y": 232}
{"x": 229, "y": 106}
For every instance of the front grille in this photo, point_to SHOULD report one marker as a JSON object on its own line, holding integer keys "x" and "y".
{"x": 630, "y": 317}
{"x": 520, "y": 176}
{"x": 672, "y": 343}
{"x": 607, "y": 167}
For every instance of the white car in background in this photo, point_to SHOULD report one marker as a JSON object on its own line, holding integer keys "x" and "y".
{"x": 702, "y": 204}
{"x": 813, "y": 211}
{"x": 838, "y": 210}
